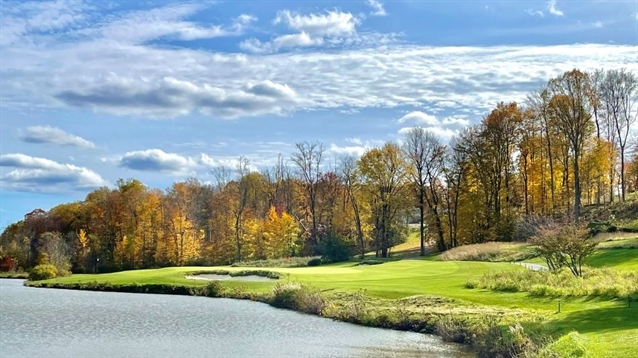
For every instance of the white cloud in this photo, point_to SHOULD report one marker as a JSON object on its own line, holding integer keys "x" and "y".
{"x": 34, "y": 174}
{"x": 377, "y": 8}
{"x": 156, "y": 160}
{"x": 420, "y": 118}
{"x": 551, "y": 7}
{"x": 331, "y": 23}
{"x": 173, "y": 81}
{"x": 52, "y": 135}
{"x": 356, "y": 150}
{"x": 170, "y": 97}
{"x": 444, "y": 133}
{"x": 354, "y": 140}
{"x": 535, "y": 12}
{"x": 296, "y": 40}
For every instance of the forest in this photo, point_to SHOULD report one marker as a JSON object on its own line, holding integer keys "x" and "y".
{"x": 570, "y": 144}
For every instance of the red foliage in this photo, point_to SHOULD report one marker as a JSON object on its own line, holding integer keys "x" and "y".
{"x": 8, "y": 263}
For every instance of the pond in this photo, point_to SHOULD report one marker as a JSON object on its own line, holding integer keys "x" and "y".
{"x": 38, "y": 322}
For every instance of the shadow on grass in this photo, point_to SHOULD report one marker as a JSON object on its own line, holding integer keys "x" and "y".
{"x": 612, "y": 257}
{"x": 600, "y": 319}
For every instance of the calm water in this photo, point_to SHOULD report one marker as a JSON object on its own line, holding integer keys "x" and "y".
{"x": 36, "y": 322}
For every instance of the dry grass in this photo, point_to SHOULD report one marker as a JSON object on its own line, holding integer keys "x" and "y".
{"x": 490, "y": 251}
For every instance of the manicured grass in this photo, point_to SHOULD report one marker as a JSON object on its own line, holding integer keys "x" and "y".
{"x": 606, "y": 322}
{"x": 620, "y": 259}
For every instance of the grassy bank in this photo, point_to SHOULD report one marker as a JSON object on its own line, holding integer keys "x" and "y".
{"x": 429, "y": 293}
{"x": 17, "y": 275}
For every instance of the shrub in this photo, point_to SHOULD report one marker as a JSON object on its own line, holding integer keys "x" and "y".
{"x": 282, "y": 262}
{"x": 565, "y": 246}
{"x": 471, "y": 284}
{"x": 297, "y": 297}
{"x": 43, "y": 272}
{"x": 370, "y": 262}
{"x": 213, "y": 289}
{"x": 335, "y": 249}
{"x": 314, "y": 262}
{"x": 572, "y": 345}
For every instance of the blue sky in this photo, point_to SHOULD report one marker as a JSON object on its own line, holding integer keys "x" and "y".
{"x": 161, "y": 91}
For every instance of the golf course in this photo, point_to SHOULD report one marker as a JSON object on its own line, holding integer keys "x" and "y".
{"x": 425, "y": 289}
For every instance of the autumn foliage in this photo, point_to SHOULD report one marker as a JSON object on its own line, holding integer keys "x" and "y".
{"x": 566, "y": 146}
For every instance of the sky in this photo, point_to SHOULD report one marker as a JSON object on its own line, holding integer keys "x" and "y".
{"x": 161, "y": 91}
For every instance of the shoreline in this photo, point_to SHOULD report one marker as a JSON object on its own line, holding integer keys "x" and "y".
{"x": 448, "y": 319}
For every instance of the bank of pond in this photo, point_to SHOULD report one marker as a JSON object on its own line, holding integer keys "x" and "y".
{"x": 74, "y": 323}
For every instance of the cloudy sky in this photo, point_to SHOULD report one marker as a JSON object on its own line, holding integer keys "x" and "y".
{"x": 157, "y": 90}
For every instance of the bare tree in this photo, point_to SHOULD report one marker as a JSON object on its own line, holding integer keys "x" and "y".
{"x": 570, "y": 106}
{"x": 454, "y": 171}
{"x": 351, "y": 180}
{"x": 242, "y": 200}
{"x": 619, "y": 91}
{"x": 308, "y": 160}
{"x": 425, "y": 154}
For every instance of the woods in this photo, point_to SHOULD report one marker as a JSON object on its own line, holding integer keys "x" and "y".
{"x": 568, "y": 145}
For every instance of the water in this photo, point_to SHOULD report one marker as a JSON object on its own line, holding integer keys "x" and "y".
{"x": 37, "y": 322}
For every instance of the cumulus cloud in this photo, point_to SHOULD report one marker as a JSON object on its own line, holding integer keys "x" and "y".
{"x": 330, "y": 23}
{"x": 156, "y": 160}
{"x": 551, "y": 7}
{"x": 444, "y": 133}
{"x": 419, "y": 117}
{"x": 34, "y": 174}
{"x": 377, "y": 8}
{"x": 357, "y": 150}
{"x": 329, "y": 29}
{"x": 170, "y": 97}
{"x": 53, "y": 135}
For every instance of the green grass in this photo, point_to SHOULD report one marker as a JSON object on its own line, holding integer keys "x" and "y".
{"x": 605, "y": 322}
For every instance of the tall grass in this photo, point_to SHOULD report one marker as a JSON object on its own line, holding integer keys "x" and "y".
{"x": 282, "y": 262}
{"x": 606, "y": 283}
{"x": 490, "y": 251}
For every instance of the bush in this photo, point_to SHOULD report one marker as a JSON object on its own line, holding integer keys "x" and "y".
{"x": 335, "y": 249}
{"x": 572, "y": 345}
{"x": 370, "y": 262}
{"x": 43, "y": 272}
{"x": 282, "y": 262}
{"x": 607, "y": 283}
{"x": 314, "y": 262}
{"x": 297, "y": 297}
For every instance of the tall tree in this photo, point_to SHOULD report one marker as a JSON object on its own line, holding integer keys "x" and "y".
{"x": 384, "y": 173}
{"x": 308, "y": 159}
{"x": 242, "y": 192}
{"x": 351, "y": 177}
{"x": 570, "y": 106}
{"x": 619, "y": 91}
{"x": 425, "y": 155}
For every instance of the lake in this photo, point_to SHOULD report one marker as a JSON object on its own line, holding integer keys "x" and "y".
{"x": 38, "y": 322}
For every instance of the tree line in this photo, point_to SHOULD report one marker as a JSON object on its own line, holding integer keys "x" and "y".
{"x": 566, "y": 146}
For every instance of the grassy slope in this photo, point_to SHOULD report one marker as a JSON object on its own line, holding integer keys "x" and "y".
{"x": 606, "y": 323}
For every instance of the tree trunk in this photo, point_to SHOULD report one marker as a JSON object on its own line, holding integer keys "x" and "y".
{"x": 622, "y": 173}
{"x": 422, "y": 221}
{"x": 576, "y": 187}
